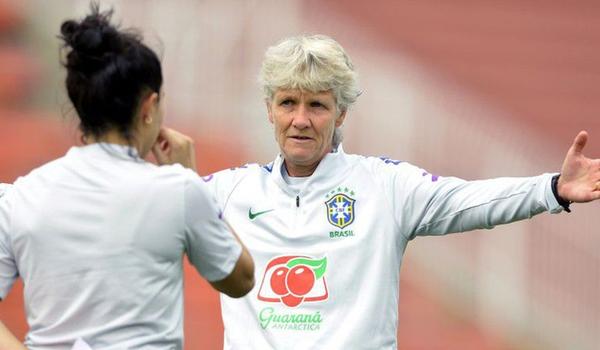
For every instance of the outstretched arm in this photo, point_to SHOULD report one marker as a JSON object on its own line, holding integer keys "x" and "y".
{"x": 8, "y": 341}
{"x": 579, "y": 180}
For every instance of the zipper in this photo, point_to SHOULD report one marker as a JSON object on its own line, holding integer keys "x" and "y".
{"x": 296, "y": 210}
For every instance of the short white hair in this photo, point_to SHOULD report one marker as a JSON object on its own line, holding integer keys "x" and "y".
{"x": 313, "y": 63}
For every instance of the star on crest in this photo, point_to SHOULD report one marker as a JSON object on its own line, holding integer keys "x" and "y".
{"x": 340, "y": 190}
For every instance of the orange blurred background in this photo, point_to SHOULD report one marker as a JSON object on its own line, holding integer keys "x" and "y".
{"x": 474, "y": 89}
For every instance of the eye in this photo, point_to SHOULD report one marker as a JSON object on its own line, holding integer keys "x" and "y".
{"x": 317, "y": 104}
{"x": 286, "y": 102}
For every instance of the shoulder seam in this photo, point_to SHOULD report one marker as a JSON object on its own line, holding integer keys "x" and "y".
{"x": 233, "y": 188}
{"x": 386, "y": 165}
{"x": 9, "y": 222}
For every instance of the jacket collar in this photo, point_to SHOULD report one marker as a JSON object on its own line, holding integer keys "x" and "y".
{"x": 329, "y": 172}
{"x": 103, "y": 150}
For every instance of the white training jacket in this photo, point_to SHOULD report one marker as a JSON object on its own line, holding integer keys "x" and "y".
{"x": 328, "y": 256}
{"x": 3, "y": 188}
{"x": 98, "y": 237}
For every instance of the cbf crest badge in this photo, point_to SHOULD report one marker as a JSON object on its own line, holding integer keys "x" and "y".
{"x": 340, "y": 210}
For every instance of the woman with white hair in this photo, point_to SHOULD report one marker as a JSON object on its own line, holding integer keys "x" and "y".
{"x": 328, "y": 229}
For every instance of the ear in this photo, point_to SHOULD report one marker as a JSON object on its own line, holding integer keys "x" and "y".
{"x": 340, "y": 119}
{"x": 269, "y": 110}
{"x": 147, "y": 106}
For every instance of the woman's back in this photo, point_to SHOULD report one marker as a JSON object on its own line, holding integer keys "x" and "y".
{"x": 98, "y": 237}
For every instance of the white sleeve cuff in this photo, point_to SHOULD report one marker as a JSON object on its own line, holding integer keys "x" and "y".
{"x": 551, "y": 202}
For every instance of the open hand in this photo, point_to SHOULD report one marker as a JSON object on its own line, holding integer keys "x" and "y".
{"x": 580, "y": 176}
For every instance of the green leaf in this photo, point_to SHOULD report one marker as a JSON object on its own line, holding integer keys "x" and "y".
{"x": 318, "y": 266}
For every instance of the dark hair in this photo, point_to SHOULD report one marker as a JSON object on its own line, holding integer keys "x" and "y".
{"x": 108, "y": 72}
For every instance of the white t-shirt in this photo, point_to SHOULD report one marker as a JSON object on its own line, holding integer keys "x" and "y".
{"x": 3, "y": 188}
{"x": 98, "y": 238}
{"x": 328, "y": 258}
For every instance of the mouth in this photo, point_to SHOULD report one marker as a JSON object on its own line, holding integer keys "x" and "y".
{"x": 300, "y": 138}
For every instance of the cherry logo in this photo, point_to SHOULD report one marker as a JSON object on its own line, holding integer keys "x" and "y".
{"x": 294, "y": 279}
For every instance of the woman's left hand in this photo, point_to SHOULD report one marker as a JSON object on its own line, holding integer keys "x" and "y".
{"x": 579, "y": 180}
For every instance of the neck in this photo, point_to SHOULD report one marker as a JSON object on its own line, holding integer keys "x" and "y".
{"x": 113, "y": 137}
{"x": 295, "y": 170}
{"x": 302, "y": 170}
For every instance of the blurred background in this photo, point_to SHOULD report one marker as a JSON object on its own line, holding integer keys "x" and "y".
{"x": 474, "y": 89}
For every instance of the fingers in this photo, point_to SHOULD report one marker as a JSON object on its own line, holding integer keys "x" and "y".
{"x": 160, "y": 155}
{"x": 172, "y": 147}
{"x": 580, "y": 141}
{"x": 173, "y": 138}
{"x": 595, "y": 196}
{"x": 160, "y": 149}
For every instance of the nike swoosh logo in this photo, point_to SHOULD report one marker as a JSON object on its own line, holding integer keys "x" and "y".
{"x": 253, "y": 216}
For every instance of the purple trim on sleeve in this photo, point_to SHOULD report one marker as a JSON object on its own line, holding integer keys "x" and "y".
{"x": 434, "y": 178}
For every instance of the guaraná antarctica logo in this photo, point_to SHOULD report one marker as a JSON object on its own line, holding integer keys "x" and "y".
{"x": 292, "y": 280}
{"x": 340, "y": 211}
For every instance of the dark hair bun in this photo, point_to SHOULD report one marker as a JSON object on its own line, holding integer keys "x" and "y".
{"x": 108, "y": 71}
{"x": 93, "y": 42}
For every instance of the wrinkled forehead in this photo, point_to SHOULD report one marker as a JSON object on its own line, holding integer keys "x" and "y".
{"x": 303, "y": 81}
{"x": 302, "y": 93}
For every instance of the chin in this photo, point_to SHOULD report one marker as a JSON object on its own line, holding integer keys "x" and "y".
{"x": 301, "y": 158}
{"x": 298, "y": 153}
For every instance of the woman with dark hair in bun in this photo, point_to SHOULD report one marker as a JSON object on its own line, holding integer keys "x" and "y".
{"x": 98, "y": 235}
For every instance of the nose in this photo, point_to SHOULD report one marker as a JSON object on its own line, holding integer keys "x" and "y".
{"x": 301, "y": 118}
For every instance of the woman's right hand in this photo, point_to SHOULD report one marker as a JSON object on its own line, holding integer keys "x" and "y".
{"x": 174, "y": 147}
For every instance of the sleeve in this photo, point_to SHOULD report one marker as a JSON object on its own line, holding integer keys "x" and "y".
{"x": 210, "y": 246}
{"x": 212, "y": 186}
{"x": 3, "y": 188}
{"x": 426, "y": 204}
{"x": 8, "y": 266}
{"x": 222, "y": 183}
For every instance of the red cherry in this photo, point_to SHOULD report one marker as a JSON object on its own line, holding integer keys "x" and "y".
{"x": 300, "y": 280}
{"x": 291, "y": 301}
{"x": 278, "y": 280}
